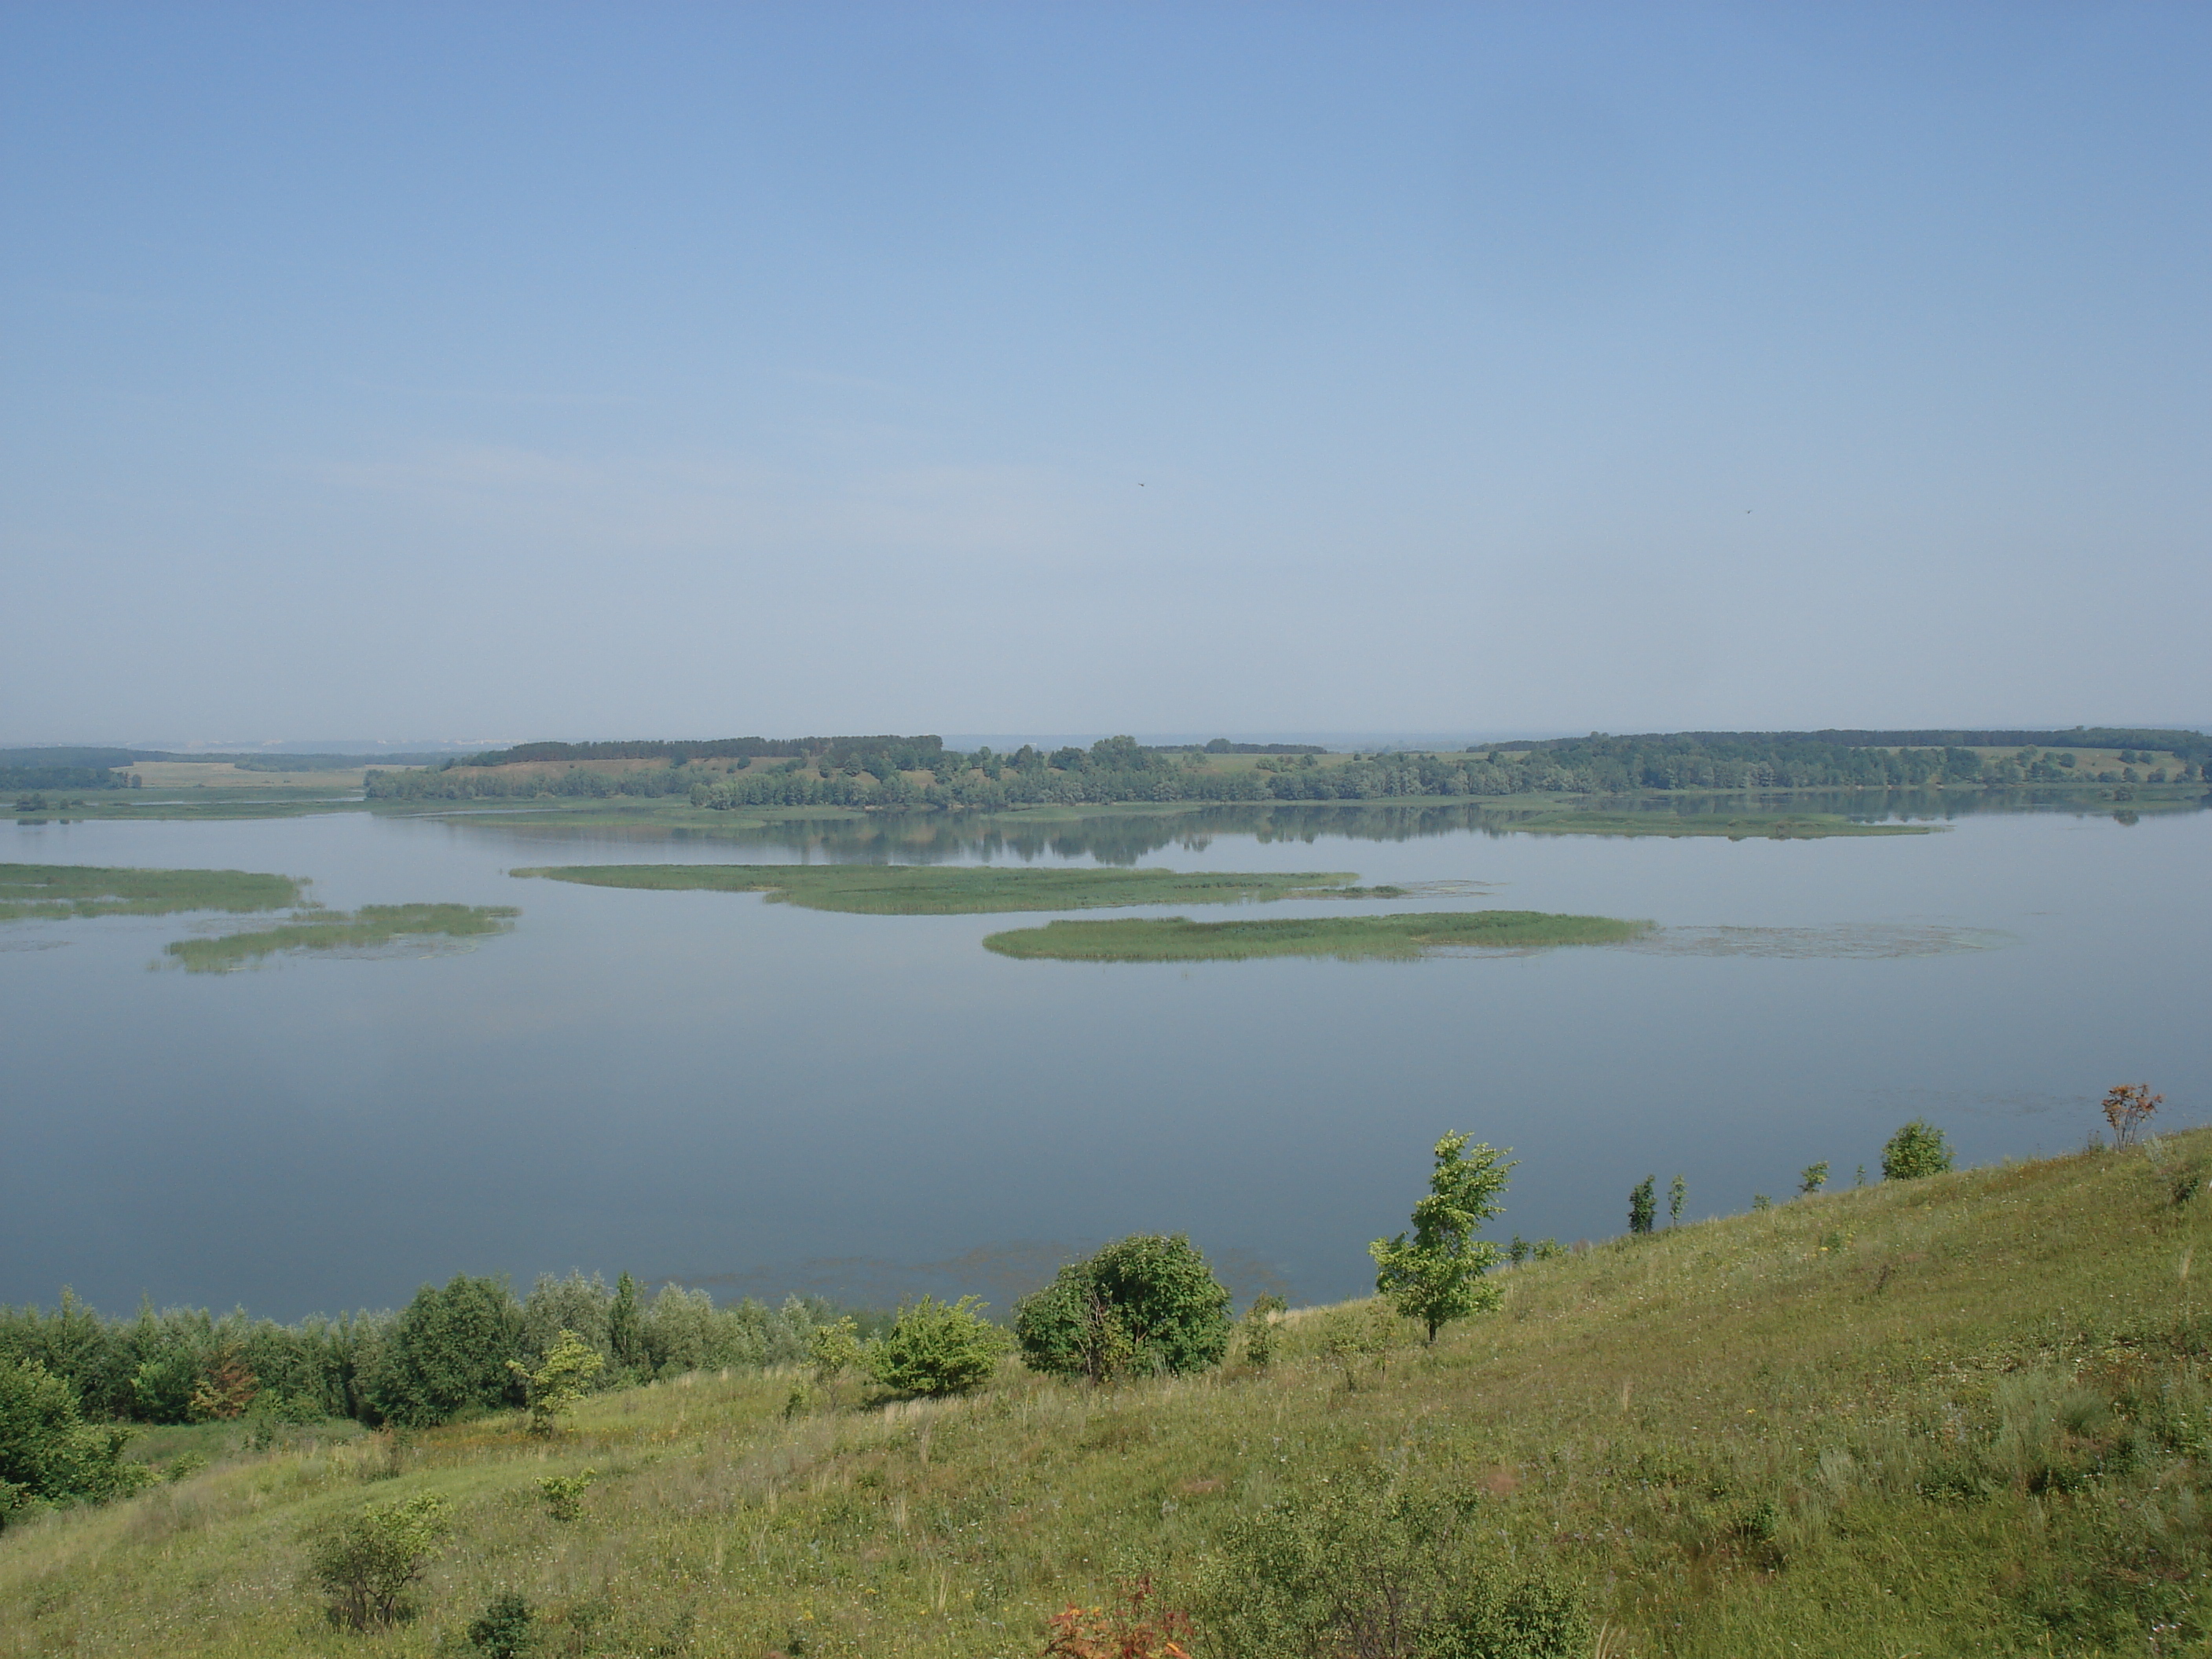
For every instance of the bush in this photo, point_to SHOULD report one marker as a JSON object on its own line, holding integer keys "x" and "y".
{"x": 1363, "y": 1568}
{"x": 48, "y": 1452}
{"x": 366, "y": 1563}
{"x": 447, "y": 1353}
{"x": 936, "y": 1348}
{"x": 1144, "y": 1303}
{"x": 503, "y": 1630}
{"x": 564, "y": 1493}
{"x": 1919, "y": 1149}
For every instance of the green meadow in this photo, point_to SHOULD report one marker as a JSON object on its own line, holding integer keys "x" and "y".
{"x": 881, "y": 890}
{"x": 1960, "y": 1415}
{"x": 54, "y": 891}
{"x": 1349, "y": 939}
{"x": 373, "y": 927}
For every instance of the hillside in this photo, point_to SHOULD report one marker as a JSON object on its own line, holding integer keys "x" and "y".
{"x": 1965, "y": 1414}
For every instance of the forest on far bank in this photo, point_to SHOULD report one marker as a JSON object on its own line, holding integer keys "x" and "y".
{"x": 920, "y": 771}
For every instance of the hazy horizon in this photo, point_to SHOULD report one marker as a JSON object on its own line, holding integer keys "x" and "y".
{"x": 608, "y": 372}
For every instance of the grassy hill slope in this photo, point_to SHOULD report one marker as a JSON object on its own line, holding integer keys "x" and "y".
{"x": 1966, "y": 1414}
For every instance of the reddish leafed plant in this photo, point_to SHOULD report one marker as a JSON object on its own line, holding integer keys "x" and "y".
{"x": 1134, "y": 1627}
{"x": 226, "y": 1390}
{"x": 2127, "y": 1107}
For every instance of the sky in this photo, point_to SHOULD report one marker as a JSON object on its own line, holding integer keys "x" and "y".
{"x": 501, "y": 372}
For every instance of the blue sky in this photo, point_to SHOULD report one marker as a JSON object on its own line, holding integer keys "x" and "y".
{"x": 606, "y": 370}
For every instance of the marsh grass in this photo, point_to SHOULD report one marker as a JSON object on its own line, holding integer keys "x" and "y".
{"x": 374, "y": 927}
{"x": 1348, "y": 939}
{"x": 1743, "y": 826}
{"x": 1964, "y": 1414}
{"x": 57, "y": 891}
{"x": 903, "y": 890}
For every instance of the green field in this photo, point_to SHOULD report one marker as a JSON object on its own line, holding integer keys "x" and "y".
{"x": 53, "y": 891}
{"x": 373, "y": 927}
{"x": 1743, "y": 826}
{"x": 902, "y": 889}
{"x": 1349, "y": 939}
{"x": 1968, "y": 1414}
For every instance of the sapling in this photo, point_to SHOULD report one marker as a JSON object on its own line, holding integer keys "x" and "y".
{"x": 1438, "y": 1273}
{"x": 1677, "y": 1190}
{"x": 1761, "y": 1202}
{"x": 1644, "y": 1205}
{"x": 1812, "y": 1177}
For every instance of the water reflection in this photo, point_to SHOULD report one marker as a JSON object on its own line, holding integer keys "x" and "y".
{"x": 1127, "y": 837}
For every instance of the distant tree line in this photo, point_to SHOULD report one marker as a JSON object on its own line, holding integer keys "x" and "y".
{"x": 886, "y": 772}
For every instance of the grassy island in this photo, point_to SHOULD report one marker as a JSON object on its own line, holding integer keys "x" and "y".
{"x": 1739, "y": 826}
{"x": 903, "y": 889}
{"x": 57, "y": 891}
{"x": 1349, "y": 939}
{"x": 372, "y": 927}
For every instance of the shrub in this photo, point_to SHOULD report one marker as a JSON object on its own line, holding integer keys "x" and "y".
{"x": 366, "y": 1563}
{"x": 1129, "y": 1629}
{"x": 1812, "y": 1177}
{"x": 447, "y": 1353}
{"x": 1260, "y": 1331}
{"x": 48, "y": 1452}
{"x": 564, "y": 1493}
{"x": 1144, "y": 1303}
{"x": 2128, "y": 1107}
{"x": 1364, "y": 1568}
{"x": 937, "y": 1348}
{"x": 1919, "y": 1149}
{"x": 503, "y": 1630}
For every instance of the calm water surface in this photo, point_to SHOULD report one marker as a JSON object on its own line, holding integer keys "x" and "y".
{"x": 758, "y": 1098}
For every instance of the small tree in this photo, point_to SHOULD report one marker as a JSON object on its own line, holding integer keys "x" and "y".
{"x": 1438, "y": 1274}
{"x": 562, "y": 1378}
{"x": 937, "y": 1348}
{"x": 366, "y": 1562}
{"x": 1644, "y": 1205}
{"x": 1919, "y": 1149}
{"x": 2128, "y": 1107}
{"x": 1677, "y": 1190}
{"x": 1812, "y": 1177}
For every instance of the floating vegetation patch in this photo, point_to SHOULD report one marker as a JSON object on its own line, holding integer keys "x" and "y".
{"x": 1744, "y": 826}
{"x": 1349, "y": 939}
{"x": 1864, "y": 941}
{"x": 372, "y": 930}
{"x": 58, "y": 891}
{"x": 912, "y": 889}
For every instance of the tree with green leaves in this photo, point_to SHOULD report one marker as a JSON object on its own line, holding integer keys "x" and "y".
{"x": 626, "y": 1331}
{"x": 1438, "y": 1273}
{"x": 562, "y": 1378}
{"x": 1812, "y": 1177}
{"x": 365, "y": 1563}
{"x": 1677, "y": 1190}
{"x": 1644, "y": 1205}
